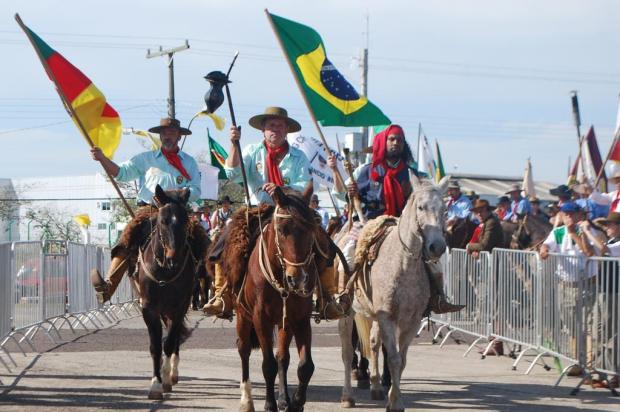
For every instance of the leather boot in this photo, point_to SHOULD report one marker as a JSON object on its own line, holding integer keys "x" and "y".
{"x": 106, "y": 288}
{"x": 438, "y": 302}
{"x": 221, "y": 303}
{"x": 329, "y": 309}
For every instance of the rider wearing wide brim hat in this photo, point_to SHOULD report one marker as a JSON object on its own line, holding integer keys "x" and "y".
{"x": 269, "y": 164}
{"x": 176, "y": 170}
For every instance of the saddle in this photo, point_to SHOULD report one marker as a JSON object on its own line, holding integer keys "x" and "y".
{"x": 370, "y": 240}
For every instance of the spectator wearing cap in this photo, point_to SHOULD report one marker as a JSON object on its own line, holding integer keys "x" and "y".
{"x": 222, "y": 214}
{"x": 519, "y": 206}
{"x": 583, "y": 193}
{"x": 488, "y": 234}
{"x": 314, "y": 204}
{"x": 570, "y": 238}
{"x": 458, "y": 205}
{"x": 502, "y": 206}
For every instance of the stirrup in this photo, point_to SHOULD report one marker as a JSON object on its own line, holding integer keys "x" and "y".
{"x": 443, "y": 306}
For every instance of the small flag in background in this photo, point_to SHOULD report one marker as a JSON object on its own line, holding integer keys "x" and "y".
{"x": 426, "y": 163}
{"x": 217, "y": 120}
{"x": 439, "y": 170}
{"x": 528, "y": 181}
{"x": 592, "y": 160}
{"x": 82, "y": 220}
{"x": 218, "y": 156}
{"x": 333, "y": 100}
{"x": 101, "y": 122}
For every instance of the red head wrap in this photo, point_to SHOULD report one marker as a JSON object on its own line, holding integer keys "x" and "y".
{"x": 392, "y": 192}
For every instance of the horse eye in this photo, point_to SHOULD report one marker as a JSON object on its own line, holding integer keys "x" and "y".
{"x": 421, "y": 207}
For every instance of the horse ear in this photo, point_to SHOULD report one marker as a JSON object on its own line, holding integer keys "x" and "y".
{"x": 160, "y": 196}
{"x": 307, "y": 193}
{"x": 415, "y": 181}
{"x": 278, "y": 196}
{"x": 443, "y": 183}
{"x": 185, "y": 192}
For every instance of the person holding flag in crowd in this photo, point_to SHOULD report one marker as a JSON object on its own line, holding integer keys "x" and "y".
{"x": 383, "y": 186}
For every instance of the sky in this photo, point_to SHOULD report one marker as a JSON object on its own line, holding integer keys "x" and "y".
{"x": 489, "y": 80}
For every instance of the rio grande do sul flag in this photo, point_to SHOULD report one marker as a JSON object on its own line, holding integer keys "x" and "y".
{"x": 333, "y": 100}
{"x": 87, "y": 105}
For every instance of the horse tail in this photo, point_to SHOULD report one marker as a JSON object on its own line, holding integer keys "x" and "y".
{"x": 254, "y": 339}
{"x": 363, "y": 326}
{"x": 184, "y": 332}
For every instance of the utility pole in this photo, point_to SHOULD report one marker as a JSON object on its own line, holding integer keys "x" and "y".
{"x": 170, "y": 53}
{"x": 364, "y": 83}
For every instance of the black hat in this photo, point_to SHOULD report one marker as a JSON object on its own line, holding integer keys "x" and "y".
{"x": 168, "y": 122}
{"x": 561, "y": 190}
{"x": 503, "y": 199}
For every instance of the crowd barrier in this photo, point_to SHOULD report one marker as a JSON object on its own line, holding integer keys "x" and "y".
{"x": 563, "y": 308}
{"x": 45, "y": 286}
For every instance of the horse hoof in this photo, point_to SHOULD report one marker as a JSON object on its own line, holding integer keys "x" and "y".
{"x": 174, "y": 379}
{"x": 156, "y": 396}
{"x": 246, "y": 407}
{"x": 363, "y": 383}
{"x": 167, "y": 387}
{"x": 347, "y": 402}
{"x": 377, "y": 395}
{"x": 282, "y": 404}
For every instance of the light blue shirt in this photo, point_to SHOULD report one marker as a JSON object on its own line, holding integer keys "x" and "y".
{"x": 295, "y": 169}
{"x": 152, "y": 169}
{"x": 519, "y": 207}
{"x": 459, "y": 208}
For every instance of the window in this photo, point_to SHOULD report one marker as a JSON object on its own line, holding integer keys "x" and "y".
{"x": 101, "y": 226}
{"x": 105, "y": 205}
{"x": 112, "y": 225}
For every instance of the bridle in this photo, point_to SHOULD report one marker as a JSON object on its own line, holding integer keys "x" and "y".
{"x": 164, "y": 263}
{"x": 419, "y": 232}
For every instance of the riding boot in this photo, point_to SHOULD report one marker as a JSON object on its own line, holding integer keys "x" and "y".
{"x": 331, "y": 309}
{"x": 438, "y": 302}
{"x": 221, "y": 303}
{"x": 106, "y": 288}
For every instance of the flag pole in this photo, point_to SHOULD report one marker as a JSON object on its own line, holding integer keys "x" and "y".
{"x": 70, "y": 109}
{"x": 312, "y": 116}
{"x": 577, "y": 121}
{"x": 611, "y": 149}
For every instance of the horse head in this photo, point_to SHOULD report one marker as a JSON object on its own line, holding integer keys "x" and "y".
{"x": 294, "y": 224}
{"x": 427, "y": 208}
{"x": 172, "y": 219}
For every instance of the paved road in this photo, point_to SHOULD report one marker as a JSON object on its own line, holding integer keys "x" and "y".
{"x": 110, "y": 369}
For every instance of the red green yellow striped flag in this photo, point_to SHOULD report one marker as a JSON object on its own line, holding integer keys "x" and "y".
{"x": 86, "y": 104}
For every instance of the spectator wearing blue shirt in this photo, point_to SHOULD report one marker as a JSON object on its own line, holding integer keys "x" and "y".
{"x": 584, "y": 200}
{"x": 519, "y": 206}
{"x": 458, "y": 205}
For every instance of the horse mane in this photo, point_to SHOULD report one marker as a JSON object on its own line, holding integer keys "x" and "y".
{"x": 300, "y": 208}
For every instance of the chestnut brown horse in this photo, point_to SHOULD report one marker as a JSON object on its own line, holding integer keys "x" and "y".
{"x": 277, "y": 291}
{"x": 167, "y": 264}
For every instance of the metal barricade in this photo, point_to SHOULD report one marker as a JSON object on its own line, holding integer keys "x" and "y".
{"x": 468, "y": 281}
{"x": 602, "y": 334}
{"x": 26, "y": 270}
{"x": 54, "y": 286}
{"x": 564, "y": 309}
{"x": 7, "y": 288}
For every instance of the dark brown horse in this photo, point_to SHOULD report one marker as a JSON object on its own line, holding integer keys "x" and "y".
{"x": 527, "y": 233}
{"x": 277, "y": 291}
{"x": 167, "y": 265}
{"x": 459, "y": 234}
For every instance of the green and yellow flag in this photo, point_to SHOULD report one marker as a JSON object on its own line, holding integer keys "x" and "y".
{"x": 332, "y": 98}
{"x": 218, "y": 156}
{"x": 439, "y": 170}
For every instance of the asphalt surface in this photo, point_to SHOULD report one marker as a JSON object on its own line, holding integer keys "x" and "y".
{"x": 110, "y": 369}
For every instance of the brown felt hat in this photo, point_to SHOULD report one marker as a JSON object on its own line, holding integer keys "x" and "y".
{"x": 514, "y": 188}
{"x": 168, "y": 122}
{"x": 481, "y": 204}
{"x": 258, "y": 121}
{"x": 613, "y": 217}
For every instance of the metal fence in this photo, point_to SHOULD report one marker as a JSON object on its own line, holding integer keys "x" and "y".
{"x": 45, "y": 286}
{"x": 564, "y": 308}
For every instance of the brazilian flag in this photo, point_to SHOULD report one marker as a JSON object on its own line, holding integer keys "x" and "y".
{"x": 332, "y": 98}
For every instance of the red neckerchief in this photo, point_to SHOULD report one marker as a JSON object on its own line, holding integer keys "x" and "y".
{"x": 451, "y": 201}
{"x": 175, "y": 161}
{"x": 615, "y": 202}
{"x": 273, "y": 171}
{"x": 392, "y": 191}
{"x": 476, "y": 235}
